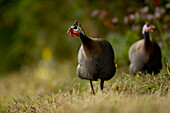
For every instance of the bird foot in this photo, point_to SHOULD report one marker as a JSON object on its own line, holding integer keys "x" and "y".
{"x": 92, "y": 92}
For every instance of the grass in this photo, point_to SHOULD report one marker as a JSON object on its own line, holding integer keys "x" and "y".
{"x": 57, "y": 88}
{"x": 46, "y": 89}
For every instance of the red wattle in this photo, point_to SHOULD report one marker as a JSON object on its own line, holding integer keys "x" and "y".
{"x": 147, "y": 30}
{"x": 72, "y": 35}
{"x": 76, "y": 33}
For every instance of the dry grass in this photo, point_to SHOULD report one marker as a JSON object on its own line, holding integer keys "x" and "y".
{"x": 47, "y": 90}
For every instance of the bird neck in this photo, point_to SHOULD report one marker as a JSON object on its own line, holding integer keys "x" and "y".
{"x": 85, "y": 40}
{"x": 90, "y": 47}
{"x": 147, "y": 39}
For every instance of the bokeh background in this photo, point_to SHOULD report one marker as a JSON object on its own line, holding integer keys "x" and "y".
{"x": 33, "y": 32}
{"x": 38, "y": 59}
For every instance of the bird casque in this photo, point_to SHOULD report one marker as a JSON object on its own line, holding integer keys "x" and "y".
{"x": 95, "y": 57}
{"x": 145, "y": 54}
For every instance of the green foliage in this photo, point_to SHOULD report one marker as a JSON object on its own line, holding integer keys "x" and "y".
{"x": 30, "y": 27}
{"x": 121, "y": 45}
{"x": 27, "y": 27}
{"x": 165, "y": 47}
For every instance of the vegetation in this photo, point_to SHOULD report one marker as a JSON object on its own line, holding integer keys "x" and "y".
{"x": 38, "y": 59}
{"x": 31, "y": 28}
{"x": 46, "y": 90}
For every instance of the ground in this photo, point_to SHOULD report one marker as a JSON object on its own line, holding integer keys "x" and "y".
{"x": 44, "y": 89}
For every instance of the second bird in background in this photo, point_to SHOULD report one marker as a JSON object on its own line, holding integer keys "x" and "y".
{"x": 145, "y": 54}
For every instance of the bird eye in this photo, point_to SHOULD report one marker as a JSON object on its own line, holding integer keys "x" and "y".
{"x": 75, "y": 27}
{"x": 148, "y": 25}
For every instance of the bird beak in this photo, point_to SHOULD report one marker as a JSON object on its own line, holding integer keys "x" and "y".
{"x": 69, "y": 30}
{"x": 152, "y": 27}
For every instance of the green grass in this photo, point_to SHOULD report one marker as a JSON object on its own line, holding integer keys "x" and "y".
{"x": 58, "y": 89}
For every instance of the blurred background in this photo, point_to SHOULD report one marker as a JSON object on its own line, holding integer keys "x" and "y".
{"x": 33, "y": 32}
{"x": 38, "y": 57}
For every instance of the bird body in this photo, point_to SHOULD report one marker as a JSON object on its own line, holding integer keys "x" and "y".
{"x": 145, "y": 55}
{"x": 95, "y": 57}
{"x": 96, "y": 61}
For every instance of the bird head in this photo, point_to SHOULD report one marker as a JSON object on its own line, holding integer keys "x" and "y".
{"x": 75, "y": 29}
{"x": 147, "y": 28}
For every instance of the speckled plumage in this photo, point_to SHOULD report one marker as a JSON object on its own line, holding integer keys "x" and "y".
{"x": 145, "y": 55}
{"x": 96, "y": 65}
{"x": 95, "y": 57}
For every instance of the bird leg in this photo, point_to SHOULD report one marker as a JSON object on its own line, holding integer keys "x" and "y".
{"x": 101, "y": 85}
{"x": 91, "y": 89}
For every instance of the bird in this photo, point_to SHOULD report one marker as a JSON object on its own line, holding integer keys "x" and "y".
{"x": 145, "y": 54}
{"x": 95, "y": 57}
